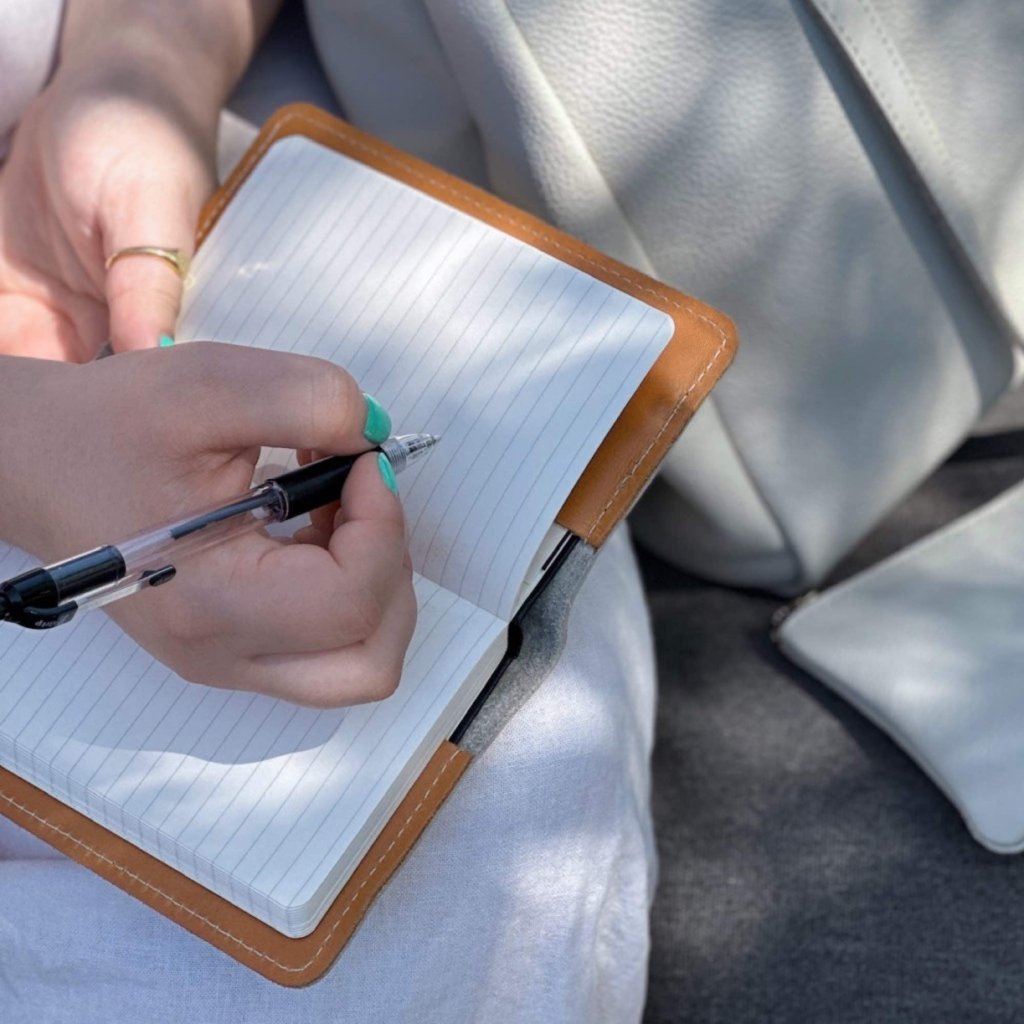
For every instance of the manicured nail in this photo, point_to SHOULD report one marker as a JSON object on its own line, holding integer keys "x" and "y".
{"x": 378, "y": 422}
{"x": 166, "y": 341}
{"x": 387, "y": 473}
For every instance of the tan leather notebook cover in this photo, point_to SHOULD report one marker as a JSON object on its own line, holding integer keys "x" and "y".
{"x": 702, "y": 346}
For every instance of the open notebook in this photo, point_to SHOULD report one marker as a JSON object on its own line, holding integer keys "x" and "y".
{"x": 520, "y": 361}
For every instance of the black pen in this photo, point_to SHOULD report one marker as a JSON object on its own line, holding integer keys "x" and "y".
{"x": 54, "y": 594}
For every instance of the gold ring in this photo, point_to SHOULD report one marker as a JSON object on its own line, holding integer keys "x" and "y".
{"x": 177, "y": 258}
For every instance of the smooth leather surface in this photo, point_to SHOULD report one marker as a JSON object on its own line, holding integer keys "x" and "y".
{"x": 929, "y": 645}
{"x": 732, "y": 149}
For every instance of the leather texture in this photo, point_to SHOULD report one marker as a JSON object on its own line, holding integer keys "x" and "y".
{"x": 287, "y": 961}
{"x": 735, "y": 149}
{"x": 941, "y": 78}
{"x": 928, "y": 645}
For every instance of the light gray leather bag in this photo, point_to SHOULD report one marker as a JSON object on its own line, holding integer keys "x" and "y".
{"x": 844, "y": 177}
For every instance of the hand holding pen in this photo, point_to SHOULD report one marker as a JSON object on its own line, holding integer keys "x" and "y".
{"x": 151, "y": 437}
{"x": 53, "y": 595}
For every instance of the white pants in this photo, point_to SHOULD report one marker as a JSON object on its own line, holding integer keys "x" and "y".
{"x": 525, "y": 900}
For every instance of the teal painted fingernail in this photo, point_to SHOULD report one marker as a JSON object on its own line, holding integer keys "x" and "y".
{"x": 166, "y": 341}
{"x": 387, "y": 473}
{"x": 378, "y": 422}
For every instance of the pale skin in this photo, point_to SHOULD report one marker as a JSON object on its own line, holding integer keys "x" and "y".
{"x": 118, "y": 151}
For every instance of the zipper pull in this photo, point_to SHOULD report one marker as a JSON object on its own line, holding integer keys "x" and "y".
{"x": 780, "y": 615}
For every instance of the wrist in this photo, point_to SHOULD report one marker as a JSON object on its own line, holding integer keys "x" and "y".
{"x": 197, "y": 49}
{"x": 30, "y": 450}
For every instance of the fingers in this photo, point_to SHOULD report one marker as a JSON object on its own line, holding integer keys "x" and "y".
{"x": 294, "y": 598}
{"x": 30, "y": 327}
{"x": 368, "y": 670}
{"x": 321, "y": 626}
{"x": 251, "y": 396}
{"x": 323, "y": 520}
{"x": 143, "y": 291}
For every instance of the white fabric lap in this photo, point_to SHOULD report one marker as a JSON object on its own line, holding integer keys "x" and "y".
{"x": 526, "y": 900}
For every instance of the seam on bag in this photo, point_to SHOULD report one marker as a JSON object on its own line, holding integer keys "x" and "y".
{"x": 756, "y": 489}
{"x": 219, "y": 929}
{"x": 522, "y": 225}
{"x": 951, "y": 212}
{"x": 902, "y": 72}
{"x": 884, "y": 98}
{"x": 576, "y": 134}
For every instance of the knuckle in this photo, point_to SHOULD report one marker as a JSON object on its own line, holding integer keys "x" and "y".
{"x": 194, "y": 369}
{"x": 160, "y": 281}
{"x": 210, "y": 372}
{"x": 208, "y": 363}
{"x": 384, "y": 683}
{"x": 393, "y": 532}
{"x": 200, "y": 671}
{"x": 323, "y": 695}
{"x": 365, "y": 682}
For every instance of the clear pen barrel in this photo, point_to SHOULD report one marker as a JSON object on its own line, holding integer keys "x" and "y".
{"x": 167, "y": 545}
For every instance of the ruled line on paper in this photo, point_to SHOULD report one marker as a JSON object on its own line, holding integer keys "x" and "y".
{"x": 435, "y": 349}
{"x": 338, "y": 747}
{"x": 519, "y": 361}
{"x": 207, "y": 813}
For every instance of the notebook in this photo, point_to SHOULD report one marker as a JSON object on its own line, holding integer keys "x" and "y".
{"x": 555, "y": 378}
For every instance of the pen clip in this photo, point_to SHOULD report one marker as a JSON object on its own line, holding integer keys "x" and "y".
{"x": 47, "y": 618}
{"x": 124, "y": 588}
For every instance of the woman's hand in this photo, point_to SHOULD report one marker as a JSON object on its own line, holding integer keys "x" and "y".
{"x": 93, "y": 169}
{"x": 137, "y": 440}
{"x": 117, "y": 151}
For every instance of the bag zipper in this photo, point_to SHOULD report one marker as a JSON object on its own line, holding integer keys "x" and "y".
{"x": 780, "y": 615}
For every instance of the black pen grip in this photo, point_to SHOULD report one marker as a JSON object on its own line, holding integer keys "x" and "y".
{"x": 315, "y": 485}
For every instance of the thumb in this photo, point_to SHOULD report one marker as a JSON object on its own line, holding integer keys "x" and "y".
{"x": 144, "y": 291}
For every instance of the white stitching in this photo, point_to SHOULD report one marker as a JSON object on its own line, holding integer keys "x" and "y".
{"x": 665, "y": 426}
{"x": 205, "y": 920}
{"x": 522, "y": 225}
{"x": 885, "y": 99}
{"x": 904, "y": 73}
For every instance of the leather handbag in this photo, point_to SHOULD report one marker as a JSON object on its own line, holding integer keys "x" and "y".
{"x": 842, "y": 176}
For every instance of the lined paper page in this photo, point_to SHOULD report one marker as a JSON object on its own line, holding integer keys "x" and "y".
{"x": 255, "y": 798}
{"x": 520, "y": 362}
